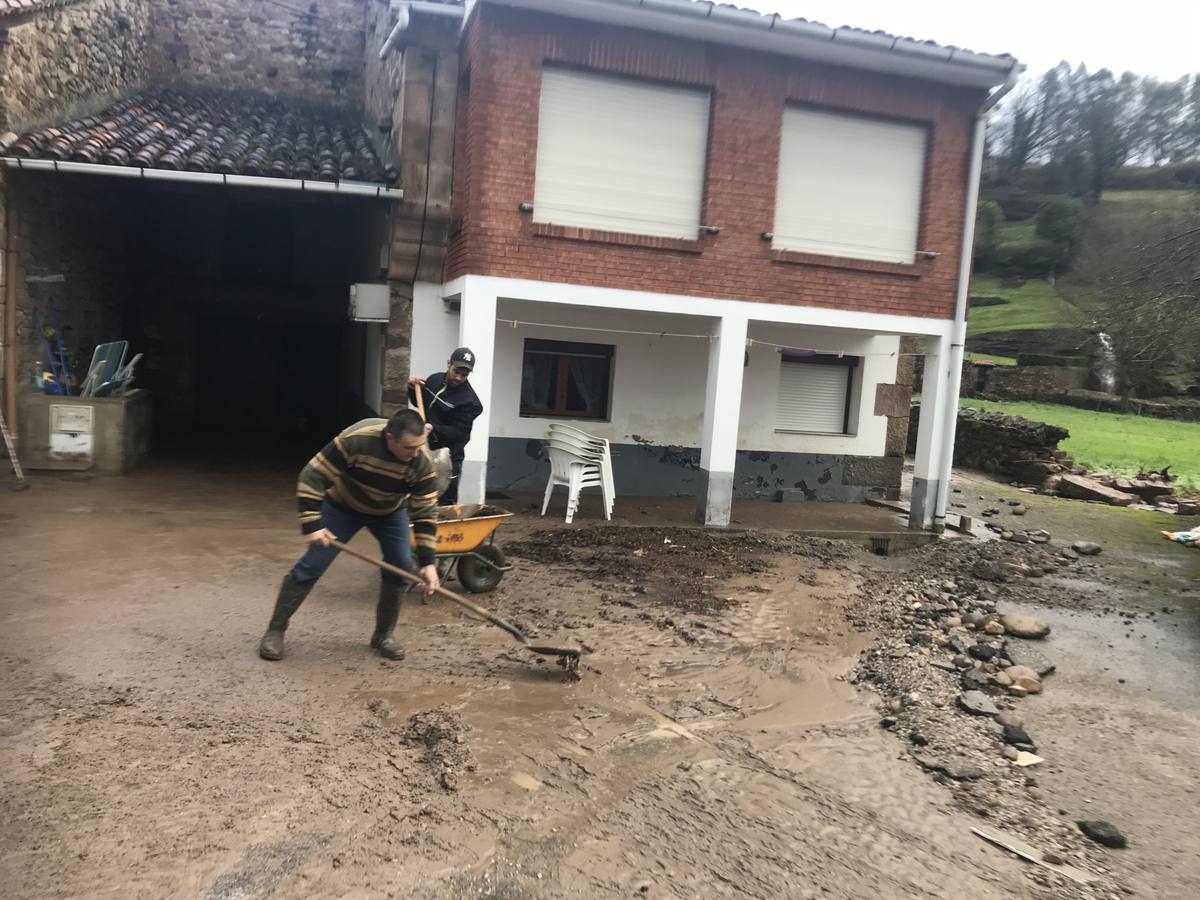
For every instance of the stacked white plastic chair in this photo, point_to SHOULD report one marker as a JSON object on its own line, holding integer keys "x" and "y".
{"x": 578, "y": 460}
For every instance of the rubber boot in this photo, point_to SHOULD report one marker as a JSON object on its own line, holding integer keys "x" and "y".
{"x": 291, "y": 595}
{"x": 387, "y": 611}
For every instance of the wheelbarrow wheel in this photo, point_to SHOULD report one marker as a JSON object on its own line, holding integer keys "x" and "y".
{"x": 478, "y": 576}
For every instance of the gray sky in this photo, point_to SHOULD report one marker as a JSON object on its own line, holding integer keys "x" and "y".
{"x": 1155, "y": 37}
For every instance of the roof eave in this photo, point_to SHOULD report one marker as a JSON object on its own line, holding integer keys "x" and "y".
{"x": 849, "y": 47}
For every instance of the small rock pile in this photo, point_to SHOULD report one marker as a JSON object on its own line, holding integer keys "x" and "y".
{"x": 953, "y": 668}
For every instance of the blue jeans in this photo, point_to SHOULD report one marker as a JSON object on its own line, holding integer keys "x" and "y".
{"x": 391, "y": 531}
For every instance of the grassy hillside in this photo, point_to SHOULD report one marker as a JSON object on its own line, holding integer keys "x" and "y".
{"x": 1034, "y": 306}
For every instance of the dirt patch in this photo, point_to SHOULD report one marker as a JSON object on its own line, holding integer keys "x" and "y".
{"x": 441, "y": 735}
{"x": 679, "y": 568}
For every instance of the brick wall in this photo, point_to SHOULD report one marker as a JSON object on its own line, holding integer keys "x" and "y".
{"x": 308, "y": 48}
{"x": 70, "y": 59}
{"x": 496, "y": 153}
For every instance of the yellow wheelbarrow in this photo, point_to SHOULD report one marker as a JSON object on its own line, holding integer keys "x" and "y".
{"x": 466, "y": 546}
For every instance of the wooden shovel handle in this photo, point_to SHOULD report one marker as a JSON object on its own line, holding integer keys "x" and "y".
{"x": 440, "y": 591}
{"x": 421, "y": 401}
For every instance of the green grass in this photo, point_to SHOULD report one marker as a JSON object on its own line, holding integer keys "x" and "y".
{"x": 1156, "y": 199}
{"x": 1034, "y": 306}
{"x": 1023, "y": 230}
{"x": 1115, "y": 442}
{"x": 990, "y": 357}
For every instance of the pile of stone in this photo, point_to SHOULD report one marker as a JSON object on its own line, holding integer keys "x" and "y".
{"x": 953, "y": 669}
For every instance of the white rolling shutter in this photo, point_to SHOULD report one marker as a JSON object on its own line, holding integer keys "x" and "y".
{"x": 812, "y": 398}
{"x": 849, "y": 186}
{"x": 620, "y": 155}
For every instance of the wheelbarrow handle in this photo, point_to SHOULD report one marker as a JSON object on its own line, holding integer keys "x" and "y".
{"x": 441, "y": 591}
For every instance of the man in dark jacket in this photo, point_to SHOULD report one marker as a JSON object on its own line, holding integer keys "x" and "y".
{"x": 451, "y": 407}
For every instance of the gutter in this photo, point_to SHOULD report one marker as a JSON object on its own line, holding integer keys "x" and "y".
{"x": 725, "y": 24}
{"x": 404, "y": 11}
{"x": 352, "y": 188}
{"x": 958, "y": 336}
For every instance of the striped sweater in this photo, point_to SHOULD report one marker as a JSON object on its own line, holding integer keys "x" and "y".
{"x": 358, "y": 472}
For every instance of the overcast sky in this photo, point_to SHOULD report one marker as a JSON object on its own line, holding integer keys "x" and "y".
{"x": 1154, "y": 37}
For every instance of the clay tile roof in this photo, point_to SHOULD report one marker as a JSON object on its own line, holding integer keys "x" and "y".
{"x": 226, "y": 133}
{"x": 14, "y": 7}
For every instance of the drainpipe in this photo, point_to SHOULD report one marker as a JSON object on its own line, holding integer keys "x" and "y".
{"x": 959, "y": 329}
{"x": 404, "y": 11}
{"x": 10, "y": 310}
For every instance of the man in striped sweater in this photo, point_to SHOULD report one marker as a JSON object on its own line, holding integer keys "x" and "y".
{"x": 376, "y": 475}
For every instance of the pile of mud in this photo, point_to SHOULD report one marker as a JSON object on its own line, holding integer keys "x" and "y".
{"x": 675, "y": 567}
{"x": 441, "y": 736}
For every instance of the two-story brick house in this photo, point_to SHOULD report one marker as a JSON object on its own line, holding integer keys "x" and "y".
{"x": 704, "y": 234}
{"x": 712, "y": 236}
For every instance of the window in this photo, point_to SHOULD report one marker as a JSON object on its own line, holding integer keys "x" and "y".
{"x": 849, "y": 186}
{"x": 566, "y": 379}
{"x": 814, "y": 394}
{"x": 620, "y": 155}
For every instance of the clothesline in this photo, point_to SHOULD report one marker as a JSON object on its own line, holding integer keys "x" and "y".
{"x": 750, "y": 342}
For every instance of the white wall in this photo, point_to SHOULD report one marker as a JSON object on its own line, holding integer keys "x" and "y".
{"x": 434, "y": 331}
{"x": 659, "y": 382}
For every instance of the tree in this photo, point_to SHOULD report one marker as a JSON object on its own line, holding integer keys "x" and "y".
{"x": 1145, "y": 291}
{"x": 1060, "y": 221}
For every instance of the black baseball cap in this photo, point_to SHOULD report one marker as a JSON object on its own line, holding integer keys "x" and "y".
{"x": 463, "y": 358}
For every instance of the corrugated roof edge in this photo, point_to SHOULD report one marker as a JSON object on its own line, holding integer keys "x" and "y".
{"x": 729, "y": 16}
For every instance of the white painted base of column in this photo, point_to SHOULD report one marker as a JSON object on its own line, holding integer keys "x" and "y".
{"x": 714, "y": 498}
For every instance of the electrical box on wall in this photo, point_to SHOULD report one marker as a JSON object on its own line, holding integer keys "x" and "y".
{"x": 370, "y": 303}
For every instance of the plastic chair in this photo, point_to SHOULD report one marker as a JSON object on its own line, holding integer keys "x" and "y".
{"x": 587, "y": 444}
{"x": 573, "y": 471}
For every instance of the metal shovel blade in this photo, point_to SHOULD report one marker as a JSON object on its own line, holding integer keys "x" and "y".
{"x": 443, "y": 469}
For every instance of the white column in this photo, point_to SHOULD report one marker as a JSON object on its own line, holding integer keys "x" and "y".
{"x": 477, "y": 330}
{"x": 930, "y": 435}
{"x": 722, "y": 410}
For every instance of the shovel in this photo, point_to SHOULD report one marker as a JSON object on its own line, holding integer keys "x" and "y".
{"x": 443, "y": 468}
{"x": 568, "y": 657}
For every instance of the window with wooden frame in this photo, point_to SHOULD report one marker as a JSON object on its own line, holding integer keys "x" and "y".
{"x": 814, "y": 393}
{"x": 564, "y": 379}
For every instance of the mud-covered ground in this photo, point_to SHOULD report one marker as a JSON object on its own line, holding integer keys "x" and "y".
{"x": 716, "y": 745}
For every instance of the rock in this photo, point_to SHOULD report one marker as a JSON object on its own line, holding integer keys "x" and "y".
{"x": 982, "y": 652}
{"x": 952, "y": 621}
{"x": 1024, "y": 677}
{"x": 986, "y": 570}
{"x": 1039, "y": 537}
{"x": 1070, "y": 554}
{"x": 1015, "y": 690}
{"x": 1025, "y": 654}
{"x": 974, "y": 617}
{"x": 1034, "y": 792}
{"x": 1081, "y": 487}
{"x": 1015, "y": 537}
{"x": 977, "y": 703}
{"x": 1102, "y": 832}
{"x": 887, "y": 722}
{"x": 1053, "y": 858}
{"x": 1010, "y": 717}
{"x": 975, "y": 680}
{"x": 1019, "y": 510}
{"x": 1002, "y": 679}
{"x": 1086, "y": 548}
{"x": 949, "y": 587}
{"x": 1024, "y": 626}
{"x": 1015, "y": 734}
{"x": 918, "y": 739}
{"x": 962, "y": 661}
{"x": 993, "y": 628}
{"x": 1010, "y": 752}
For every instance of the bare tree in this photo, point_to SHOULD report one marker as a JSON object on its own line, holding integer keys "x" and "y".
{"x": 1145, "y": 285}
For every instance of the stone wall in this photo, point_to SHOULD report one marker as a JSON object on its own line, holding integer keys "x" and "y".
{"x": 1021, "y": 382}
{"x": 303, "y": 48}
{"x": 70, "y": 59}
{"x": 995, "y": 442}
{"x": 410, "y": 107}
